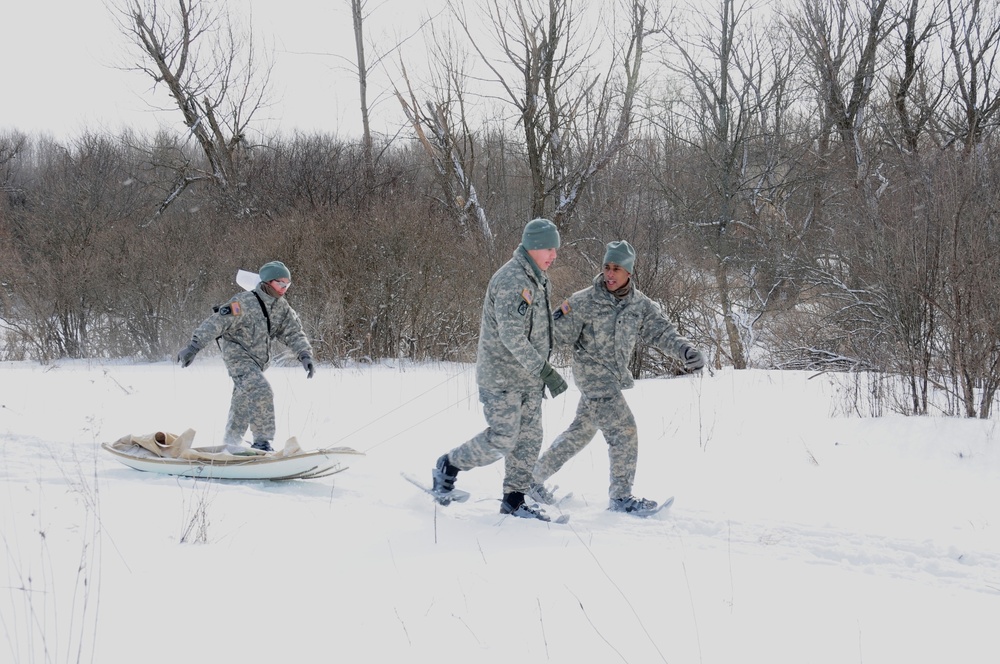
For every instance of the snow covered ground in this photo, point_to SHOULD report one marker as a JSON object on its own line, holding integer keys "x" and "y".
{"x": 799, "y": 535}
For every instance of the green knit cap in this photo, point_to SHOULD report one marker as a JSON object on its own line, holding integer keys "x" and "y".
{"x": 540, "y": 234}
{"x": 274, "y": 270}
{"x": 620, "y": 253}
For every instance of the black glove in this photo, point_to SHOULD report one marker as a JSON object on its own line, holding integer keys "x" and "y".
{"x": 693, "y": 359}
{"x": 307, "y": 364}
{"x": 186, "y": 356}
{"x": 553, "y": 380}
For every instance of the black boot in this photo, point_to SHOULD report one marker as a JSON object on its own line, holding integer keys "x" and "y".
{"x": 514, "y": 505}
{"x": 443, "y": 476}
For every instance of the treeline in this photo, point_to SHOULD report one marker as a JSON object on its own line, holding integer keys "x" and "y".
{"x": 91, "y": 269}
{"x": 814, "y": 190}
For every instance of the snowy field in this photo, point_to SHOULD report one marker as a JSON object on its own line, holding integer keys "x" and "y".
{"x": 799, "y": 535}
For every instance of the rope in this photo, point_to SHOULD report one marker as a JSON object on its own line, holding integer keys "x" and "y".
{"x": 406, "y": 403}
{"x": 415, "y": 424}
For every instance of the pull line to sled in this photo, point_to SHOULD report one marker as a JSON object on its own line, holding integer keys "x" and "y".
{"x": 406, "y": 403}
{"x": 415, "y": 424}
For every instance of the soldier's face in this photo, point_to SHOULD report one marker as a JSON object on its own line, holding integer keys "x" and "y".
{"x": 280, "y": 286}
{"x": 543, "y": 257}
{"x": 615, "y": 276}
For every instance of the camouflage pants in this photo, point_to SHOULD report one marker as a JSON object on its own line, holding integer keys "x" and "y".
{"x": 513, "y": 433}
{"x": 613, "y": 417}
{"x": 252, "y": 404}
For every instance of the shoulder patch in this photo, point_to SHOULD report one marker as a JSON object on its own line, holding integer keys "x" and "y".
{"x": 526, "y": 295}
{"x": 231, "y": 309}
{"x": 563, "y": 310}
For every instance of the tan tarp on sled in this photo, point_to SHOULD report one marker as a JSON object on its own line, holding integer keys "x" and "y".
{"x": 172, "y": 446}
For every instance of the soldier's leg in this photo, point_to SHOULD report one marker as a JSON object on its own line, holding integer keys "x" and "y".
{"x": 252, "y": 405}
{"x": 261, "y": 407}
{"x": 569, "y": 443}
{"x": 520, "y": 461}
{"x": 239, "y": 410}
{"x": 503, "y": 419}
{"x": 616, "y": 421}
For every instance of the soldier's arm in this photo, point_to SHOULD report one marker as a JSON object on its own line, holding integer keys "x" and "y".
{"x": 568, "y": 322}
{"x": 659, "y": 332}
{"x": 512, "y": 305}
{"x": 293, "y": 336}
{"x": 211, "y": 328}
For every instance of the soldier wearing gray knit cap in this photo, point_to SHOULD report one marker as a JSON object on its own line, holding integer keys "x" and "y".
{"x": 244, "y": 328}
{"x": 540, "y": 234}
{"x": 603, "y": 324}
{"x": 512, "y": 370}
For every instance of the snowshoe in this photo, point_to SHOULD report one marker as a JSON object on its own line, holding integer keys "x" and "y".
{"x": 633, "y": 505}
{"x": 540, "y": 493}
{"x": 513, "y": 505}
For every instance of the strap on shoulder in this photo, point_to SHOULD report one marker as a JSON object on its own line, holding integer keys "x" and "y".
{"x": 263, "y": 308}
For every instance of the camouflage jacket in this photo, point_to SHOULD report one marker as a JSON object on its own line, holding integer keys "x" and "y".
{"x": 243, "y": 330}
{"x": 515, "y": 334}
{"x": 604, "y": 330}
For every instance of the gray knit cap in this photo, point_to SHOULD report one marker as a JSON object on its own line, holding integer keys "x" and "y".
{"x": 540, "y": 234}
{"x": 274, "y": 270}
{"x": 620, "y": 253}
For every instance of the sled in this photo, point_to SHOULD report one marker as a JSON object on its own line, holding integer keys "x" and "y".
{"x": 169, "y": 454}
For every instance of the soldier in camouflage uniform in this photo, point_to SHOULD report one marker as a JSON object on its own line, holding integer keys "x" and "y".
{"x": 512, "y": 371}
{"x": 244, "y": 328}
{"x": 603, "y": 322}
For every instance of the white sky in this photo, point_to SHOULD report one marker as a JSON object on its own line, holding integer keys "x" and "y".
{"x": 60, "y": 57}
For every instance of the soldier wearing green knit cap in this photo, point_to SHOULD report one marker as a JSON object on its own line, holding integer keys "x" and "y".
{"x": 512, "y": 370}
{"x": 603, "y": 324}
{"x": 244, "y": 328}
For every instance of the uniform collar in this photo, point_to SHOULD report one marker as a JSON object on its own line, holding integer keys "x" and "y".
{"x": 601, "y": 291}
{"x": 522, "y": 254}
{"x": 262, "y": 292}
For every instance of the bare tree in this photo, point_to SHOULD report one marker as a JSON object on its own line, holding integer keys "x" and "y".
{"x": 914, "y": 247}
{"x": 212, "y": 71}
{"x": 974, "y": 42}
{"x": 64, "y": 244}
{"x": 913, "y": 241}
{"x": 12, "y": 147}
{"x": 732, "y": 120}
{"x": 915, "y": 88}
{"x": 841, "y": 41}
{"x": 842, "y": 44}
{"x": 969, "y": 300}
{"x": 574, "y": 119}
{"x": 443, "y": 129}
{"x": 358, "y": 17}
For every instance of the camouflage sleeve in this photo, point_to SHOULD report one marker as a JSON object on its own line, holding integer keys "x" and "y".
{"x": 512, "y": 308}
{"x": 209, "y": 330}
{"x": 568, "y": 325}
{"x": 658, "y": 331}
{"x": 291, "y": 334}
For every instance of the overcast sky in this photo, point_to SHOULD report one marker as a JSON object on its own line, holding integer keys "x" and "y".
{"x": 61, "y": 57}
